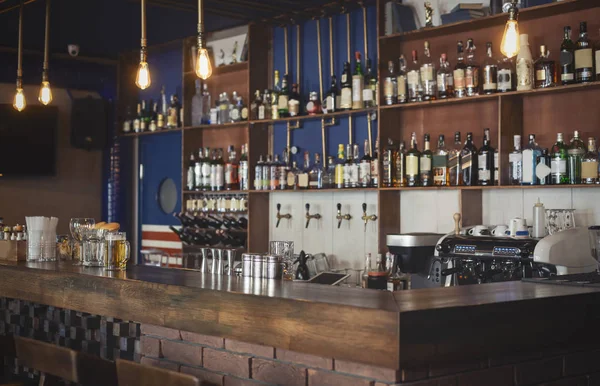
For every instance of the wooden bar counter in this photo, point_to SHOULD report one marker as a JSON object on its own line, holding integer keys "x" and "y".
{"x": 319, "y": 332}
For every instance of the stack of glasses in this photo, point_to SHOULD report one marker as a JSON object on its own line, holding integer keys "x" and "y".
{"x": 41, "y": 238}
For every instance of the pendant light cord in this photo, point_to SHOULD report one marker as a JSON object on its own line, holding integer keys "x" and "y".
{"x": 20, "y": 48}
{"x": 46, "y": 43}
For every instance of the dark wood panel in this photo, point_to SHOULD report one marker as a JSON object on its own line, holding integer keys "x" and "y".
{"x": 471, "y": 208}
{"x": 511, "y": 122}
{"x": 260, "y": 53}
{"x": 258, "y": 222}
{"x": 388, "y": 206}
{"x": 235, "y": 135}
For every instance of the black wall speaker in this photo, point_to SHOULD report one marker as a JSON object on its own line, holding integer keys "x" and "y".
{"x": 89, "y": 129}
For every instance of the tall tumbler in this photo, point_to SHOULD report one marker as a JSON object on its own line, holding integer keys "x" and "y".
{"x": 118, "y": 250}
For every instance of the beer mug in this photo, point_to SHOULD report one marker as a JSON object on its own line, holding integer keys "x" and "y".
{"x": 117, "y": 253}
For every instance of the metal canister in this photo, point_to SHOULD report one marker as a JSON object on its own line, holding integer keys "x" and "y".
{"x": 274, "y": 269}
{"x": 246, "y": 265}
{"x": 259, "y": 263}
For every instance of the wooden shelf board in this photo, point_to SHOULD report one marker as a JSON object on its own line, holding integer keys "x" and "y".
{"x": 319, "y": 116}
{"x": 163, "y": 131}
{"x": 207, "y": 192}
{"x": 530, "y": 13}
{"x": 490, "y": 187}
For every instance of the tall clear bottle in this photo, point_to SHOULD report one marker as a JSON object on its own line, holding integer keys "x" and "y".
{"x": 401, "y": 80}
{"x": 390, "y": 86}
{"x": 220, "y": 170}
{"x": 191, "y": 173}
{"x": 575, "y": 153}
{"x": 315, "y": 175}
{"x": 589, "y": 164}
{"x": 370, "y": 87}
{"x": 387, "y": 164}
{"x": 472, "y": 71}
{"x": 258, "y": 172}
{"x": 441, "y": 177}
{"x": 531, "y": 152}
{"x": 515, "y": 162}
{"x": 490, "y": 71}
{"x": 346, "y": 84}
{"x": 584, "y": 56}
{"x": 454, "y": 161}
{"x": 232, "y": 170}
{"x": 445, "y": 79}
{"x": 425, "y": 163}
{"x": 485, "y": 162}
{"x": 558, "y": 162}
{"x": 275, "y": 97}
{"x": 244, "y": 169}
{"x": 567, "y": 58}
{"x": 415, "y": 88}
{"x": 428, "y": 75}
{"x": 469, "y": 162}
{"x": 525, "y": 76}
{"x": 355, "y": 167}
{"x": 412, "y": 163}
{"x": 460, "y": 88}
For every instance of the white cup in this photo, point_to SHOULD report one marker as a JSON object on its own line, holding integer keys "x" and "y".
{"x": 517, "y": 224}
{"x": 500, "y": 231}
{"x": 479, "y": 230}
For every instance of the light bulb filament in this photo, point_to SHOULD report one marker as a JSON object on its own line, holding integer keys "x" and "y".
{"x": 45, "y": 96}
{"x": 19, "y": 102}
{"x": 143, "y": 80}
{"x": 203, "y": 66}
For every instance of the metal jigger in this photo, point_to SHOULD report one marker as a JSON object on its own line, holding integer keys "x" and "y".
{"x": 231, "y": 254}
{"x": 204, "y": 263}
{"x": 218, "y": 261}
{"x": 213, "y": 266}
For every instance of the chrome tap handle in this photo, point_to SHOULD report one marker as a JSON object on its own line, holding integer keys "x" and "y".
{"x": 339, "y": 215}
{"x": 309, "y": 216}
{"x": 364, "y": 206}
{"x": 278, "y": 215}
{"x": 366, "y": 218}
{"x": 278, "y": 207}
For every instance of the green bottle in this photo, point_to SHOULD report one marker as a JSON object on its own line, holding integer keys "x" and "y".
{"x": 358, "y": 84}
{"x": 558, "y": 162}
{"x": 575, "y": 156}
{"x": 284, "y": 98}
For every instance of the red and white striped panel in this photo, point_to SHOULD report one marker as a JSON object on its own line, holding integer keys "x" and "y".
{"x": 162, "y": 238}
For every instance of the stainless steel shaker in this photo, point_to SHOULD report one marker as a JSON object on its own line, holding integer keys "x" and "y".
{"x": 218, "y": 261}
{"x": 246, "y": 265}
{"x": 204, "y": 263}
{"x": 259, "y": 263}
{"x": 231, "y": 254}
{"x": 274, "y": 267}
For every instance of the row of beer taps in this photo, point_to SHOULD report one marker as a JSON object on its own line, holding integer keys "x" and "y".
{"x": 317, "y": 216}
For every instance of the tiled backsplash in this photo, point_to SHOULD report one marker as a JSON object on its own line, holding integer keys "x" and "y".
{"x": 422, "y": 211}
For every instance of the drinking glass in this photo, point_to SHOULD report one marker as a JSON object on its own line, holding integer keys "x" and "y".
{"x": 76, "y": 225}
{"x": 93, "y": 246}
{"x": 117, "y": 253}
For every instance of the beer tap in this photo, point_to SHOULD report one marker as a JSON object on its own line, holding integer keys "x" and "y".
{"x": 366, "y": 218}
{"x": 341, "y": 217}
{"x": 309, "y": 216}
{"x": 287, "y": 216}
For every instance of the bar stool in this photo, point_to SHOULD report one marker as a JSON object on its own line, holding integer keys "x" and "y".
{"x": 64, "y": 363}
{"x": 7, "y": 349}
{"x": 135, "y": 374}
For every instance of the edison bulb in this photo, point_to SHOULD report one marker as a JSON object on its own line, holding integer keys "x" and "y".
{"x": 203, "y": 66}
{"x": 45, "y": 96}
{"x": 510, "y": 45}
{"x": 143, "y": 80}
{"x": 19, "y": 102}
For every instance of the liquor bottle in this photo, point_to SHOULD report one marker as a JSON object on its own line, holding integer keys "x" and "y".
{"x": 425, "y": 163}
{"x": 469, "y": 165}
{"x": 303, "y": 179}
{"x": 231, "y": 170}
{"x": 358, "y": 83}
{"x": 412, "y": 162}
{"x": 331, "y": 99}
{"x": 507, "y": 78}
{"x": 191, "y": 173}
{"x": 206, "y": 99}
{"x": 266, "y": 173}
{"x": 339, "y": 167}
{"x": 401, "y": 80}
{"x": 224, "y": 108}
{"x": 542, "y": 168}
{"x": 460, "y": 89}
{"x": 220, "y": 170}
{"x": 197, "y": 105}
{"x": 241, "y": 106}
{"x": 274, "y": 173}
{"x": 315, "y": 174}
{"x": 258, "y": 170}
{"x": 255, "y": 105}
{"x": 205, "y": 168}
{"x": 346, "y": 99}
{"x": 390, "y": 86}
{"x": 490, "y": 72}
{"x": 163, "y": 110}
{"x": 399, "y": 176}
{"x": 428, "y": 75}
{"x": 355, "y": 167}
{"x": 575, "y": 153}
{"x": 485, "y": 161}
{"x": 445, "y": 79}
{"x": 153, "y": 116}
{"x": 597, "y": 59}
{"x": 148, "y": 115}
{"x": 264, "y": 109}
{"x": 589, "y": 164}
{"x": 275, "y": 97}
{"x": 375, "y": 166}
{"x": 368, "y": 268}
{"x": 329, "y": 174}
{"x": 213, "y": 170}
{"x": 143, "y": 113}
{"x": 441, "y": 177}
{"x": 515, "y": 162}
{"x": 137, "y": 121}
{"x": 454, "y": 168}
{"x": 584, "y": 58}
{"x": 567, "y": 58}
{"x": 313, "y": 107}
{"x": 472, "y": 70}
{"x": 415, "y": 89}
{"x": 558, "y": 162}
{"x": 128, "y": 121}
{"x": 525, "y": 73}
{"x": 545, "y": 69}
{"x": 235, "y": 112}
{"x": 244, "y": 169}
{"x": 496, "y": 166}
{"x": 292, "y": 177}
{"x": 284, "y": 98}
{"x": 387, "y": 164}
{"x": 282, "y": 171}
{"x": 348, "y": 177}
{"x": 364, "y": 171}
{"x": 531, "y": 152}
{"x": 370, "y": 87}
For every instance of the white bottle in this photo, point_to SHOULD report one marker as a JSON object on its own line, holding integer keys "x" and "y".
{"x": 539, "y": 220}
{"x": 525, "y": 72}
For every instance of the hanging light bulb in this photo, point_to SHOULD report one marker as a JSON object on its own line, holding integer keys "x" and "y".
{"x": 45, "y": 96}
{"x": 143, "y": 80}
{"x": 203, "y": 66}
{"x": 19, "y": 102}
{"x": 510, "y": 45}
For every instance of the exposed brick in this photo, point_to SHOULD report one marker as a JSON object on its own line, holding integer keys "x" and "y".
{"x": 304, "y": 359}
{"x": 577, "y": 381}
{"x": 150, "y": 347}
{"x": 539, "y": 371}
{"x": 182, "y": 352}
{"x": 234, "y": 381}
{"x": 278, "y": 372}
{"x": 586, "y": 362}
{"x": 227, "y": 362}
{"x": 332, "y": 378}
{"x": 508, "y": 359}
{"x": 378, "y": 373}
{"x": 207, "y": 378}
{"x": 414, "y": 374}
{"x": 158, "y": 363}
{"x": 447, "y": 368}
{"x": 206, "y": 340}
{"x": 249, "y": 348}
{"x": 495, "y": 376}
{"x": 168, "y": 333}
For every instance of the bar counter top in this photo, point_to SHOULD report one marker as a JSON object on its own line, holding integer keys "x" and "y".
{"x": 392, "y": 330}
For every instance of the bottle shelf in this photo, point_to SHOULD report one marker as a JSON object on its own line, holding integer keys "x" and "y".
{"x": 541, "y": 11}
{"x": 215, "y": 192}
{"x": 494, "y": 187}
{"x": 339, "y": 114}
{"x": 345, "y": 190}
{"x": 143, "y": 133}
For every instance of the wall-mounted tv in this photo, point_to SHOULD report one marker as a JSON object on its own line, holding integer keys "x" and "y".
{"x": 28, "y": 141}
